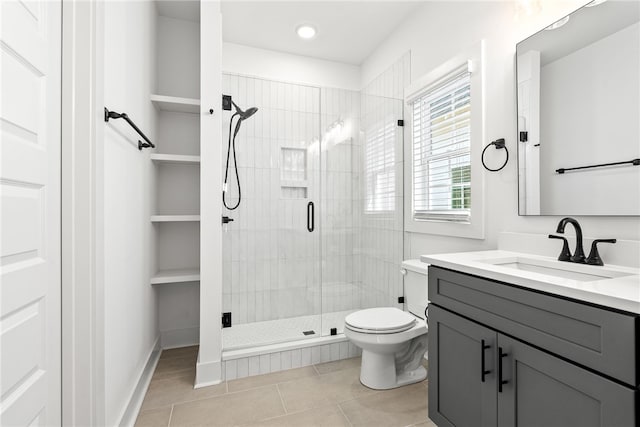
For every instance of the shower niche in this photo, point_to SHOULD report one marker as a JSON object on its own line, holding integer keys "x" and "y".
{"x": 293, "y": 173}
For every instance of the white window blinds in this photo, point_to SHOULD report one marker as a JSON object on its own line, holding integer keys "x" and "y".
{"x": 441, "y": 151}
{"x": 379, "y": 163}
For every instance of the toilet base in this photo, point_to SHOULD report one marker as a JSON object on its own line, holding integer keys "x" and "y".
{"x": 378, "y": 371}
{"x": 411, "y": 377}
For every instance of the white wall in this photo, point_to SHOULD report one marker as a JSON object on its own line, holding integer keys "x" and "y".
{"x": 269, "y": 64}
{"x": 577, "y": 131}
{"x": 130, "y": 303}
{"x": 438, "y": 32}
{"x": 178, "y": 57}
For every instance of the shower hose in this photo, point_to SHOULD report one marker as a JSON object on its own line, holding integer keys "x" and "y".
{"x": 232, "y": 146}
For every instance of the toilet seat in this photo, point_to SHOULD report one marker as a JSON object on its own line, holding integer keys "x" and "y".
{"x": 381, "y": 320}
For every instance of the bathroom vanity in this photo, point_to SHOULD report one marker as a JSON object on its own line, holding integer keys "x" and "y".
{"x": 511, "y": 345}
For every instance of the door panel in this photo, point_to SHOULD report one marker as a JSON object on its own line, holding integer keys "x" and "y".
{"x": 543, "y": 390}
{"x": 457, "y": 395}
{"x": 360, "y": 209}
{"x": 271, "y": 256}
{"x": 30, "y": 34}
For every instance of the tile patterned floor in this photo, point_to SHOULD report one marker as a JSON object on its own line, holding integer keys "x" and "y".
{"x": 328, "y": 394}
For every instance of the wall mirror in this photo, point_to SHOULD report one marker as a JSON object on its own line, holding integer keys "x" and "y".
{"x": 579, "y": 113}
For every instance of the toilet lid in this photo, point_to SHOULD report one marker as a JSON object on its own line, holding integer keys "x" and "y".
{"x": 382, "y": 319}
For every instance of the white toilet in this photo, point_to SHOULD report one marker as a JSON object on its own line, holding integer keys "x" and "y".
{"x": 393, "y": 341}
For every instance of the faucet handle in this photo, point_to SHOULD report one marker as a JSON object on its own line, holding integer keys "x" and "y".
{"x": 594, "y": 256}
{"x": 565, "y": 255}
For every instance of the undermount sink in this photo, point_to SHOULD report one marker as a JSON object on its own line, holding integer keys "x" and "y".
{"x": 565, "y": 270}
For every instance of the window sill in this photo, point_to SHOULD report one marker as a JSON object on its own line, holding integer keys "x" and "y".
{"x": 469, "y": 230}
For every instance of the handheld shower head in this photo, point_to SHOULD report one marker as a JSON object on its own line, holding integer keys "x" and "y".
{"x": 250, "y": 112}
{"x": 244, "y": 114}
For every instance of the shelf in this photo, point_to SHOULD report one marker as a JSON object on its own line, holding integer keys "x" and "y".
{"x": 175, "y": 158}
{"x": 176, "y": 276}
{"x": 294, "y": 183}
{"x": 176, "y": 104}
{"x": 175, "y": 218}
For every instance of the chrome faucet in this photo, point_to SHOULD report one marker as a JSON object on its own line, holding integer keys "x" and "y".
{"x": 578, "y": 255}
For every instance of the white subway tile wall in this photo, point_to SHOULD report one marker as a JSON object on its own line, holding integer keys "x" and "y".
{"x": 308, "y": 144}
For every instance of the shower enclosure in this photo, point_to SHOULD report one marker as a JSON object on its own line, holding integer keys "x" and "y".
{"x": 319, "y": 231}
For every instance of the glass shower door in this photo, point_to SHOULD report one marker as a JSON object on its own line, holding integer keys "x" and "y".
{"x": 362, "y": 204}
{"x": 271, "y": 268}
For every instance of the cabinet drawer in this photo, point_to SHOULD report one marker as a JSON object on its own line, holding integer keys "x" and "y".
{"x": 600, "y": 339}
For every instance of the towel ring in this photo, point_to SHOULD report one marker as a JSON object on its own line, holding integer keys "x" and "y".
{"x": 498, "y": 143}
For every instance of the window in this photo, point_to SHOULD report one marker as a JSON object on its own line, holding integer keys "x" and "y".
{"x": 440, "y": 140}
{"x": 444, "y": 188}
{"x": 379, "y": 162}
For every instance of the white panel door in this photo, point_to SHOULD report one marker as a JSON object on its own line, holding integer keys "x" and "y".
{"x": 30, "y": 36}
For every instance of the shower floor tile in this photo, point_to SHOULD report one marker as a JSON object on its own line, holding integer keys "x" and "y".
{"x": 282, "y": 330}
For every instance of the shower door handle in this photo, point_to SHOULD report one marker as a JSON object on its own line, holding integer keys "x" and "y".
{"x": 310, "y": 217}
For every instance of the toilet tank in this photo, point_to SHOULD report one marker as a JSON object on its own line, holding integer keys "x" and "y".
{"x": 415, "y": 286}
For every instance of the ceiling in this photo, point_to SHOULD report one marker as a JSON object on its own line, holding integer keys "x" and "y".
{"x": 348, "y": 31}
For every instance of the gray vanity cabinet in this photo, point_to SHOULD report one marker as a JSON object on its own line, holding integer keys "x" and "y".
{"x": 458, "y": 393}
{"x": 554, "y": 357}
{"x": 544, "y": 390}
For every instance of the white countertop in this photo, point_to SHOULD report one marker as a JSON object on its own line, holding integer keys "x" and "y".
{"x": 621, "y": 293}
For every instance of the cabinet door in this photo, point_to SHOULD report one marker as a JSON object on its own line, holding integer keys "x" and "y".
{"x": 543, "y": 390}
{"x": 459, "y": 394}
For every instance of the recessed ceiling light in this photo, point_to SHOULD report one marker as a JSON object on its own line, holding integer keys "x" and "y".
{"x": 306, "y": 31}
{"x": 595, "y": 3}
{"x": 559, "y": 23}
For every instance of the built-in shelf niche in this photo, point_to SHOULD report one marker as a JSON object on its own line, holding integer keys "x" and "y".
{"x": 178, "y": 133}
{"x": 177, "y": 246}
{"x": 177, "y": 188}
{"x": 175, "y": 159}
{"x": 178, "y": 57}
{"x": 176, "y": 104}
{"x": 176, "y": 275}
{"x": 175, "y": 218}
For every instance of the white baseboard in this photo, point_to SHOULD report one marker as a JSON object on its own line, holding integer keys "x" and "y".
{"x": 130, "y": 414}
{"x": 179, "y": 337}
{"x": 209, "y": 373}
